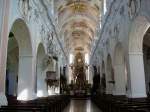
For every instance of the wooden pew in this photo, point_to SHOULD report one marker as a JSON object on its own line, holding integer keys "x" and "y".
{"x": 109, "y": 103}
{"x": 45, "y": 104}
{"x": 22, "y": 109}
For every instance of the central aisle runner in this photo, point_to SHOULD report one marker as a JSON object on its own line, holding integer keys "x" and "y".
{"x": 81, "y": 106}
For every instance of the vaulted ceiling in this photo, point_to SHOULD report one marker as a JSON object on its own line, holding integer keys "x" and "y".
{"x": 78, "y": 20}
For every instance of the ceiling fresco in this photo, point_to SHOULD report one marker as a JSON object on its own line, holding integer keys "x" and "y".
{"x": 78, "y": 20}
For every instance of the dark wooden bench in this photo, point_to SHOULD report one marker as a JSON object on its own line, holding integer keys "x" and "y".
{"x": 22, "y": 109}
{"x": 109, "y": 103}
{"x": 45, "y": 104}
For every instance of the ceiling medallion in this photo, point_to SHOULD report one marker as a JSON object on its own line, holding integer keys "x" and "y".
{"x": 133, "y": 8}
{"x": 78, "y": 7}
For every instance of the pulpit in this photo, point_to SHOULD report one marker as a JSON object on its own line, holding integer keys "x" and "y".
{"x": 51, "y": 78}
{"x": 52, "y": 82}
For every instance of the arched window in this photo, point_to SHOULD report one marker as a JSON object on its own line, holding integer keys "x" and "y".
{"x": 52, "y": 6}
{"x": 104, "y": 6}
{"x": 71, "y": 58}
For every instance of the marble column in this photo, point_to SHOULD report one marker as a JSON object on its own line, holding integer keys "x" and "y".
{"x": 90, "y": 74}
{"x": 58, "y": 76}
{"x": 87, "y": 74}
{"x": 137, "y": 76}
{"x": 109, "y": 86}
{"x": 25, "y": 78}
{"x": 119, "y": 80}
{"x": 70, "y": 75}
{"x": 41, "y": 83}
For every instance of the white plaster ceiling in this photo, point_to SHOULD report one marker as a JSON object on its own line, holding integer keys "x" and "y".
{"x": 77, "y": 20}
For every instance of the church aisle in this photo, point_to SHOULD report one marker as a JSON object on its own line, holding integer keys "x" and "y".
{"x": 82, "y": 106}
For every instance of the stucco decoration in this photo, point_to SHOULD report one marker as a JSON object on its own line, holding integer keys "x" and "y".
{"x": 133, "y": 8}
{"x": 37, "y": 10}
{"x": 78, "y": 20}
{"x": 122, "y": 11}
{"x": 110, "y": 32}
{"x": 36, "y": 15}
{"x": 46, "y": 61}
{"x": 116, "y": 31}
{"x": 24, "y": 8}
{"x": 50, "y": 45}
{"x": 42, "y": 30}
{"x": 30, "y": 10}
{"x": 48, "y": 39}
{"x": 107, "y": 44}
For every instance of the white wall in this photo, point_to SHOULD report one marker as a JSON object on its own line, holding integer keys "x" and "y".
{"x": 125, "y": 22}
{"x": 39, "y": 28}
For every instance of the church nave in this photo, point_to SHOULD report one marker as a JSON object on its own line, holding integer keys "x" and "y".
{"x": 82, "y": 105}
{"x": 74, "y": 56}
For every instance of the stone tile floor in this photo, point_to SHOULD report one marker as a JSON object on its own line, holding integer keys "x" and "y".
{"x": 81, "y": 106}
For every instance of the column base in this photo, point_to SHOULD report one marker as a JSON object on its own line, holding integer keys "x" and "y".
{"x": 118, "y": 93}
{"x": 3, "y": 99}
{"x": 136, "y": 95}
{"x": 108, "y": 92}
{"x": 32, "y": 97}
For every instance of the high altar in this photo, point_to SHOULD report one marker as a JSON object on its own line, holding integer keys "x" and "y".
{"x": 79, "y": 86}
